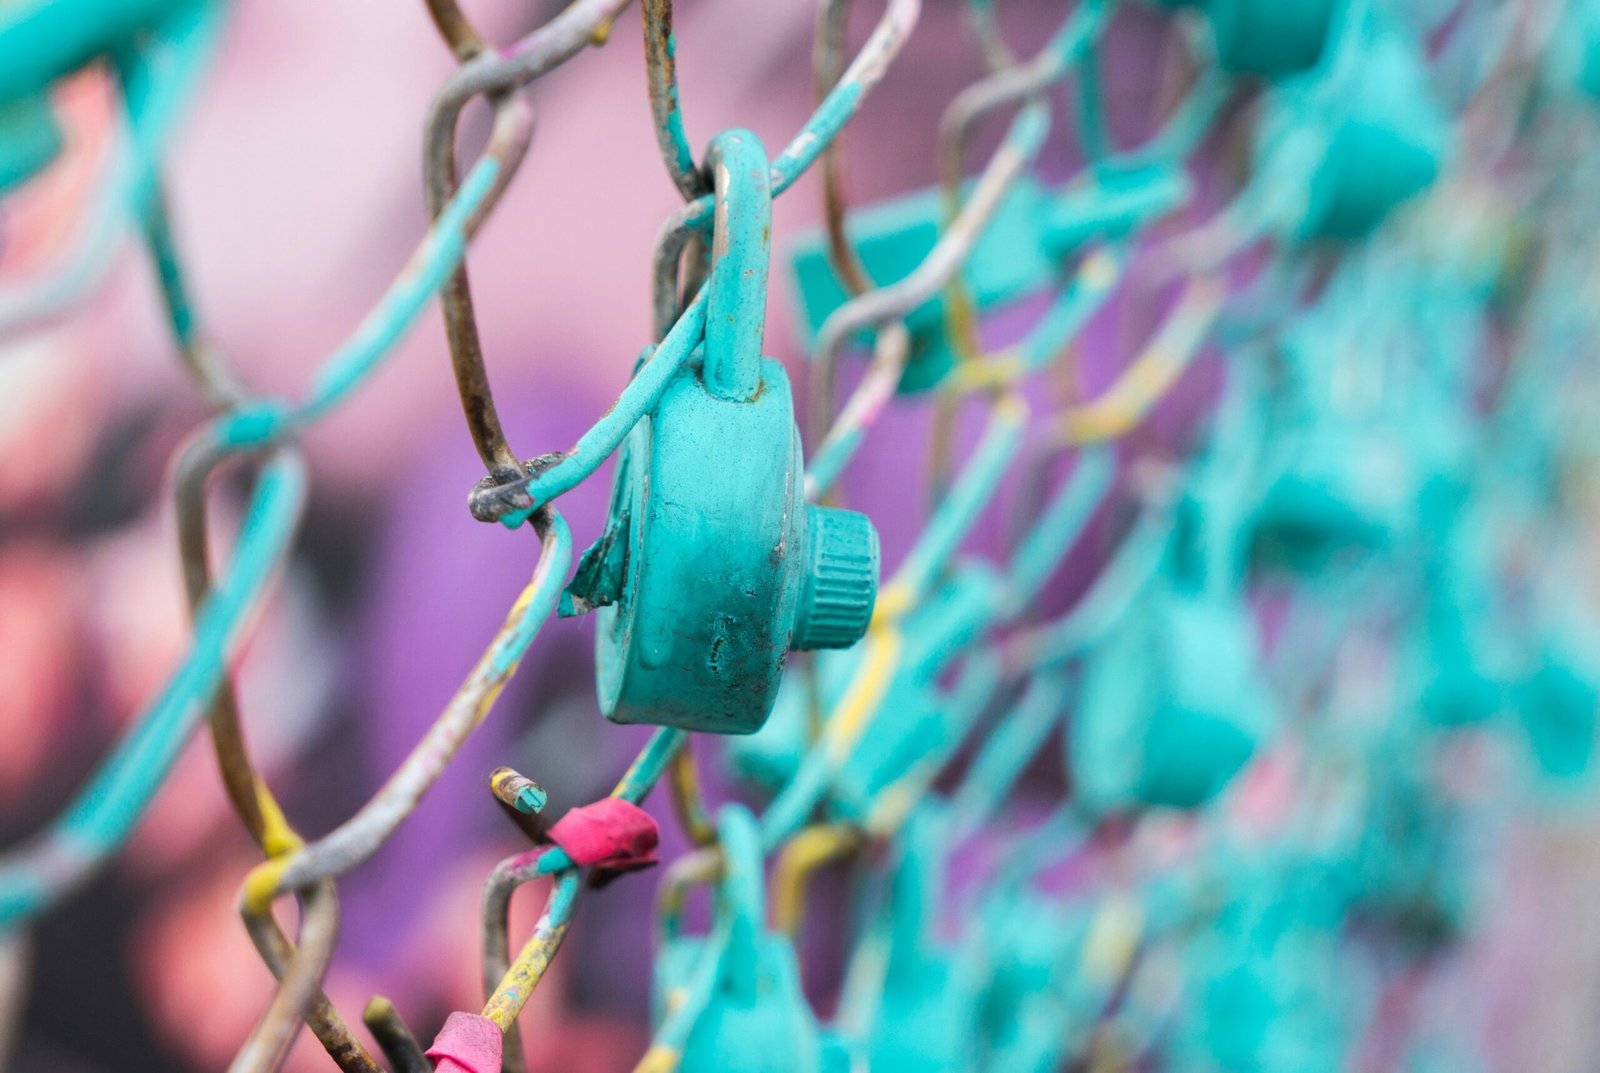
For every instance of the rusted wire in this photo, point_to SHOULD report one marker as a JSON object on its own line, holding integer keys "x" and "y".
{"x": 247, "y": 792}
{"x": 666, "y": 106}
{"x": 503, "y": 881}
{"x": 497, "y": 74}
{"x": 456, "y": 29}
{"x": 308, "y": 866}
{"x": 828, "y": 64}
{"x": 299, "y": 972}
{"x": 399, "y": 1046}
{"x": 505, "y": 501}
{"x": 215, "y": 380}
{"x": 985, "y": 26}
{"x": 508, "y": 142}
{"x": 15, "y": 963}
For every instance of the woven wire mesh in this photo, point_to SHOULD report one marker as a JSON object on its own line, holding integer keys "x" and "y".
{"x": 1230, "y": 452}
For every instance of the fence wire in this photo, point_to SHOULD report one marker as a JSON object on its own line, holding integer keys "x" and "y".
{"x": 1357, "y": 555}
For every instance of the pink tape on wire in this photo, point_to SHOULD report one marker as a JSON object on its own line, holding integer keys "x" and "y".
{"x": 615, "y": 834}
{"x": 467, "y": 1043}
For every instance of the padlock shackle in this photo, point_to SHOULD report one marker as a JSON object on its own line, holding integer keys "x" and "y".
{"x": 741, "y": 897}
{"x": 741, "y": 241}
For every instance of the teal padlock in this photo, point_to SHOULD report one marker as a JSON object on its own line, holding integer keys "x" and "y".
{"x": 1383, "y": 137}
{"x": 1008, "y": 262}
{"x": 44, "y": 40}
{"x": 732, "y": 1000}
{"x": 1269, "y": 992}
{"x": 1272, "y": 38}
{"x": 1558, "y": 705}
{"x": 1170, "y": 707}
{"x": 1572, "y": 60}
{"x": 1406, "y": 868}
{"x": 918, "y": 996}
{"x": 1035, "y": 999}
{"x": 713, "y": 567}
{"x": 1460, "y": 654}
{"x": 30, "y": 139}
{"x": 1344, "y": 490}
{"x": 1171, "y": 704}
{"x": 1268, "y": 988}
{"x": 1461, "y": 686}
{"x": 1353, "y": 472}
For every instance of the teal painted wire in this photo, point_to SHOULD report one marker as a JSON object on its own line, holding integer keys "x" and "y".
{"x": 100, "y": 822}
{"x": 836, "y": 109}
{"x": 959, "y": 511}
{"x": 1181, "y": 134}
{"x": 435, "y": 258}
{"x": 160, "y": 79}
{"x": 799, "y": 798}
{"x": 158, "y": 82}
{"x": 1078, "y": 38}
{"x": 373, "y": 339}
{"x": 789, "y": 811}
{"x": 607, "y": 434}
{"x": 357, "y": 838}
{"x": 1057, "y": 529}
{"x": 827, "y": 465}
{"x": 1023, "y": 140}
{"x": 646, "y": 769}
{"x": 1073, "y": 307}
{"x": 1091, "y": 112}
{"x": 1006, "y": 753}
{"x": 1113, "y": 592}
{"x": 33, "y": 877}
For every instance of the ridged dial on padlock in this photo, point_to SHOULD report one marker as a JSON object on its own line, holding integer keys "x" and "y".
{"x": 841, "y": 584}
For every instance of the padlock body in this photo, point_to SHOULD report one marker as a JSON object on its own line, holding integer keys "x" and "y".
{"x": 771, "y": 1029}
{"x": 1385, "y": 137}
{"x": 1170, "y": 706}
{"x": 715, "y": 524}
{"x": 1272, "y": 38}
